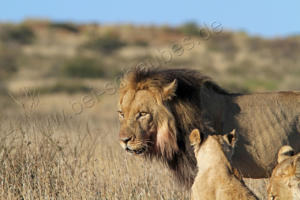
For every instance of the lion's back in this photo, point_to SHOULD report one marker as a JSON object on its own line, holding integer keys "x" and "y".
{"x": 265, "y": 122}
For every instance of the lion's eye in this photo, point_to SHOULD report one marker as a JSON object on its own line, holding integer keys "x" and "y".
{"x": 141, "y": 114}
{"x": 121, "y": 114}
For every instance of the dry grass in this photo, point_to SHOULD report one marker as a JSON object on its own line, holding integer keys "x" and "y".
{"x": 49, "y": 154}
{"x": 52, "y": 156}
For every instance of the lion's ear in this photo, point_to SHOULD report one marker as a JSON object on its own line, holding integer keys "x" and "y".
{"x": 230, "y": 138}
{"x": 169, "y": 91}
{"x": 195, "y": 137}
{"x": 285, "y": 152}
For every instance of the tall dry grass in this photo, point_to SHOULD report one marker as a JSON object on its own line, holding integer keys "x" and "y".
{"x": 52, "y": 156}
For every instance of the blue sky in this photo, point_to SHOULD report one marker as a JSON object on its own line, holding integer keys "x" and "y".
{"x": 265, "y": 18}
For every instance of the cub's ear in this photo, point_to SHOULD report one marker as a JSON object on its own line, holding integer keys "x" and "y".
{"x": 285, "y": 152}
{"x": 230, "y": 138}
{"x": 195, "y": 137}
{"x": 169, "y": 91}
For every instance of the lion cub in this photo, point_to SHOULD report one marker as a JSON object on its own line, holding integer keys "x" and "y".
{"x": 285, "y": 180}
{"x": 215, "y": 178}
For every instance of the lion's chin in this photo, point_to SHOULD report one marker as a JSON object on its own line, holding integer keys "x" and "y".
{"x": 136, "y": 151}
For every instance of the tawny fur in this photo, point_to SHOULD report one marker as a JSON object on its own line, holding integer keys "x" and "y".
{"x": 285, "y": 180}
{"x": 215, "y": 179}
{"x": 183, "y": 100}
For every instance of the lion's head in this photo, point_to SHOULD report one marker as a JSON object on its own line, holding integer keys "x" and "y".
{"x": 146, "y": 123}
{"x": 157, "y": 111}
{"x": 285, "y": 180}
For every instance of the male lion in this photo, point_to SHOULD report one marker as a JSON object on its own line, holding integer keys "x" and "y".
{"x": 215, "y": 179}
{"x": 159, "y": 108}
{"x": 285, "y": 180}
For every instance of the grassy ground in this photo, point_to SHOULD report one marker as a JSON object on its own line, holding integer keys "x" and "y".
{"x": 46, "y": 153}
{"x": 50, "y": 150}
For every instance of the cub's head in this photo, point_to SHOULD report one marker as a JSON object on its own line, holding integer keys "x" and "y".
{"x": 285, "y": 180}
{"x": 147, "y": 125}
{"x": 225, "y": 142}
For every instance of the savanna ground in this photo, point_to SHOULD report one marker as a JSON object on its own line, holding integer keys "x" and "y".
{"x": 58, "y": 100}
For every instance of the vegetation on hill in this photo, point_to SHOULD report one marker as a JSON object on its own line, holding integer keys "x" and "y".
{"x": 105, "y": 44}
{"x": 236, "y": 60}
{"x": 21, "y": 34}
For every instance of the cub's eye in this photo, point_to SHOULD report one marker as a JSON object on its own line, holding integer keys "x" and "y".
{"x": 121, "y": 114}
{"x": 141, "y": 114}
{"x": 273, "y": 197}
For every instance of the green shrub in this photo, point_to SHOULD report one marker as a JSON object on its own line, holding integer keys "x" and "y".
{"x": 141, "y": 43}
{"x": 190, "y": 28}
{"x": 225, "y": 44}
{"x": 21, "y": 34}
{"x": 63, "y": 86}
{"x": 107, "y": 44}
{"x": 169, "y": 29}
{"x": 245, "y": 67}
{"x": 260, "y": 84}
{"x": 248, "y": 85}
{"x": 256, "y": 44}
{"x": 3, "y": 88}
{"x": 8, "y": 61}
{"x": 84, "y": 68}
{"x": 65, "y": 26}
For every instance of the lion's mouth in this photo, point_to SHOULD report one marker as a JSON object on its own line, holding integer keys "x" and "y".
{"x": 136, "y": 151}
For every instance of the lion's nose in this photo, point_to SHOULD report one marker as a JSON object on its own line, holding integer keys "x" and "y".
{"x": 126, "y": 139}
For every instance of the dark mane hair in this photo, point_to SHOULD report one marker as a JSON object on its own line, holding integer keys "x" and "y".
{"x": 185, "y": 107}
{"x": 188, "y": 80}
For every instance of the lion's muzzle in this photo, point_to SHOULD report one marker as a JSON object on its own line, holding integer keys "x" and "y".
{"x": 129, "y": 144}
{"x": 124, "y": 139}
